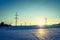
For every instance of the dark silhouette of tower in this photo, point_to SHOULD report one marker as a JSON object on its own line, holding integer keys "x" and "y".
{"x": 16, "y": 17}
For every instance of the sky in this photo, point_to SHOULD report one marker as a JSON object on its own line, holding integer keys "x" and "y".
{"x": 30, "y": 11}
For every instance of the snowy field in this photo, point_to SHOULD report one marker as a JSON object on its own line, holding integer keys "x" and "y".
{"x": 32, "y": 34}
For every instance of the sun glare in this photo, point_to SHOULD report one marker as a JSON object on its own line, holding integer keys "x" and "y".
{"x": 41, "y": 23}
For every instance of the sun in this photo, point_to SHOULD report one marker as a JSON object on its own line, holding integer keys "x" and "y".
{"x": 41, "y": 23}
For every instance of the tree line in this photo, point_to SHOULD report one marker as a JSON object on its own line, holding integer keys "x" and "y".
{"x": 2, "y": 24}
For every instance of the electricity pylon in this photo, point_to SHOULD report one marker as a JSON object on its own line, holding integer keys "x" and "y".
{"x": 16, "y": 17}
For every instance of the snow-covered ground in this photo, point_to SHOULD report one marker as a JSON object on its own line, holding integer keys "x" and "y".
{"x": 32, "y": 34}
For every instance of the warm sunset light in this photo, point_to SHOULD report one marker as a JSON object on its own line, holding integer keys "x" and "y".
{"x": 29, "y": 19}
{"x": 29, "y": 10}
{"x": 41, "y": 23}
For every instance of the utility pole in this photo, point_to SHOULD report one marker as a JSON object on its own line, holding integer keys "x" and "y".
{"x": 30, "y": 23}
{"x": 25, "y": 23}
{"x": 21, "y": 24}
{"x": 45, "y": 21}
{"x": 10, "y": 23}
{"x": 16, "y": 17}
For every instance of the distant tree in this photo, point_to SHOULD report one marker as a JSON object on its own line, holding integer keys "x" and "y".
{"x": 58, "y": 23}
{"x": 2, "y": 23}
